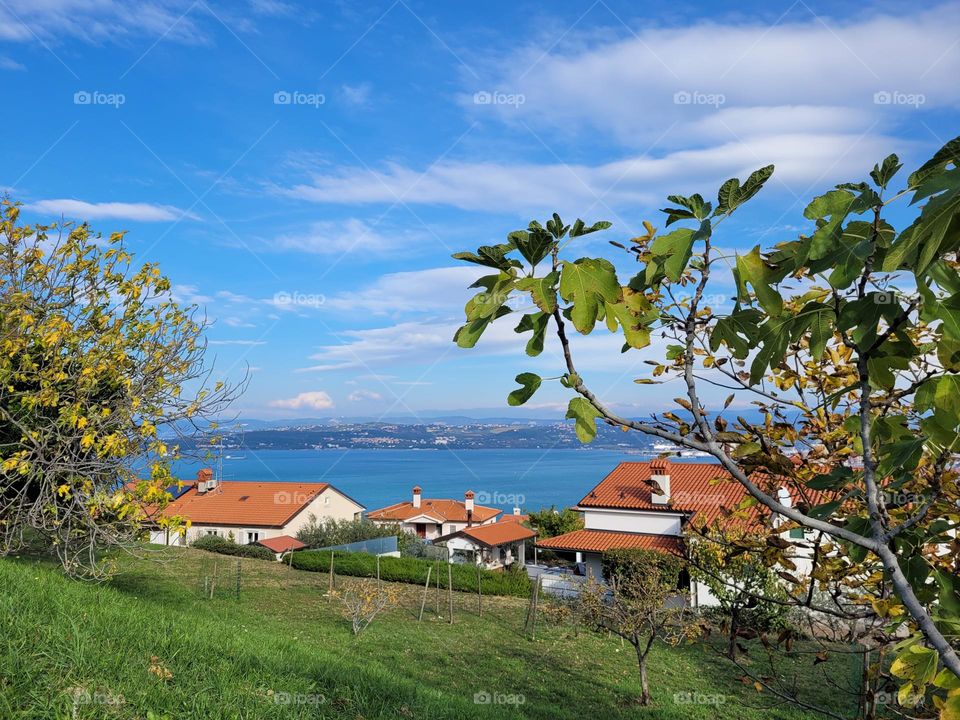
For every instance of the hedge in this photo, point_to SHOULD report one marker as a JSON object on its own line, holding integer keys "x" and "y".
{"x": 414, "y": 570}
{"x": 213, "y": 543}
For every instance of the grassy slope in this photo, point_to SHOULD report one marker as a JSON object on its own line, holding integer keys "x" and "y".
{"x": 227, "y": 655}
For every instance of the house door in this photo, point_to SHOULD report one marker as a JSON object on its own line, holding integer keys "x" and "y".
{"x": 421, "y": 530}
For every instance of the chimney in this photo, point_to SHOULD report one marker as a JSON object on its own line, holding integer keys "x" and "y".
{"x": 205, "y": 480}
{"x": 660, "y": 474}
{"x": 416, "y": 496}
{"x": 468, "y": 503}
{"x": 516, "y": 510}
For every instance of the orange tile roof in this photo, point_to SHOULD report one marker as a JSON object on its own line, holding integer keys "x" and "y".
{"x": 282, "y": 543}
{"x": 498, "y": 533}
{"x": 440, "y": 508}
{"x": 604, "y": 540}
{"x": 514, "y": 518}
{"x": 692, "y": 489}
{"x": 253, "y": 504}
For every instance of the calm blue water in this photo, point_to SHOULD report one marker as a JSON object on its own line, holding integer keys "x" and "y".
{"x": 530, "y": 478}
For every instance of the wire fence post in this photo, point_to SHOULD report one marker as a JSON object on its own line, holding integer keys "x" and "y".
{"x": 330, "y": 589}
{"x": 450, "y": 588}
{"x": 479, "y": 592}
{"x": 426, "y": 588}
{"x": 239, "y": 572}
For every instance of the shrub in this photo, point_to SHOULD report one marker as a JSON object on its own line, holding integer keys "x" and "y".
{"x": 214, "y": 543}
{"x": 330, "y": 531}
{"x": 414, "y": 571}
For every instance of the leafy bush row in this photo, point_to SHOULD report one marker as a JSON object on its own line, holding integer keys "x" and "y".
{"x": 414, "y": 570}
{"x": 224, "y": 546}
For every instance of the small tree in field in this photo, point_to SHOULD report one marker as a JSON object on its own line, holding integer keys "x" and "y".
{"x": 640, "y": 602}
{"x": 363, "y": 600}
{"x": 750, "y": 594}
{"x": 846, "y": 339}
{"x": 96, "y": 361}
{"x": 550, "y": 522}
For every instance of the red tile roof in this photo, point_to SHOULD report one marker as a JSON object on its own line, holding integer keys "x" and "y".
{"x": 498, "y": 533}
{"x": 603, "y": 540}
{"x": 703, "y": 489}
{"x": 514, "y": 518}
{"x": 442, "y": 509}
{"x": 282, "y": 544}
{"x": 251, "y": 504}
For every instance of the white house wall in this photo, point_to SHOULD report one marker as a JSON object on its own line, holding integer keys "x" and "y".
{"x": 656, "y": 523}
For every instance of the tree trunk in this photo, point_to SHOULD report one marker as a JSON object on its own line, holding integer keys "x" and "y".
{"x": 732, "y": 639}
{"x": 642, "y": 661}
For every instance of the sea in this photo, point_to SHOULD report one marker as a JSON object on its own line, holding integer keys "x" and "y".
{"x": 502, "y": 478}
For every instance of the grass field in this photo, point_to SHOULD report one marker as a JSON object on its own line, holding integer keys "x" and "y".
{"x": 147, "y": 645}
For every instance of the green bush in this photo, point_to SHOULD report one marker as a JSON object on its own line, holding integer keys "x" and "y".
{"x": 413, "y": 570}
{"x": 330, "y": 531}
{"x": 224, "y": 546}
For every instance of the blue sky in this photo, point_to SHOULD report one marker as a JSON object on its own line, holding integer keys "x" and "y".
{"x": 305, "y": 171}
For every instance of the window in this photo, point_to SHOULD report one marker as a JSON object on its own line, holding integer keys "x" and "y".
{"x": 252, "y": 536}
{"x": 796, "y": 533}
{"x": 212, "y": 532}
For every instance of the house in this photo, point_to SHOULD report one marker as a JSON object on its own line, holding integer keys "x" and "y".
{"x": 252, "y": 511}
{"x": 430, "y": 518}
{"x": 493, "y": 545}
{"x": 649, "y": 505}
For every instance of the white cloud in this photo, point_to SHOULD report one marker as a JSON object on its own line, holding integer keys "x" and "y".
{"x": 802, "y": 159}
{"x": 627, "y": 86}
{"x": 189, "y": 295}
{"x": 799, "y": 94}
{"x": 313, "y": 400}
{"x": 361, "y": 395}
{"x": 432, "y": 290}
{"x": 98, "y": 20}
{"x": 80, "y": 210}
{"x": 356, "y": 95}
{"x": 7, "y": 63}
{"x": 338, "y": 237}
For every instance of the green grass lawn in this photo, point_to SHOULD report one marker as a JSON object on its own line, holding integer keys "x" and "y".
{"x": 73, "y": 650}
